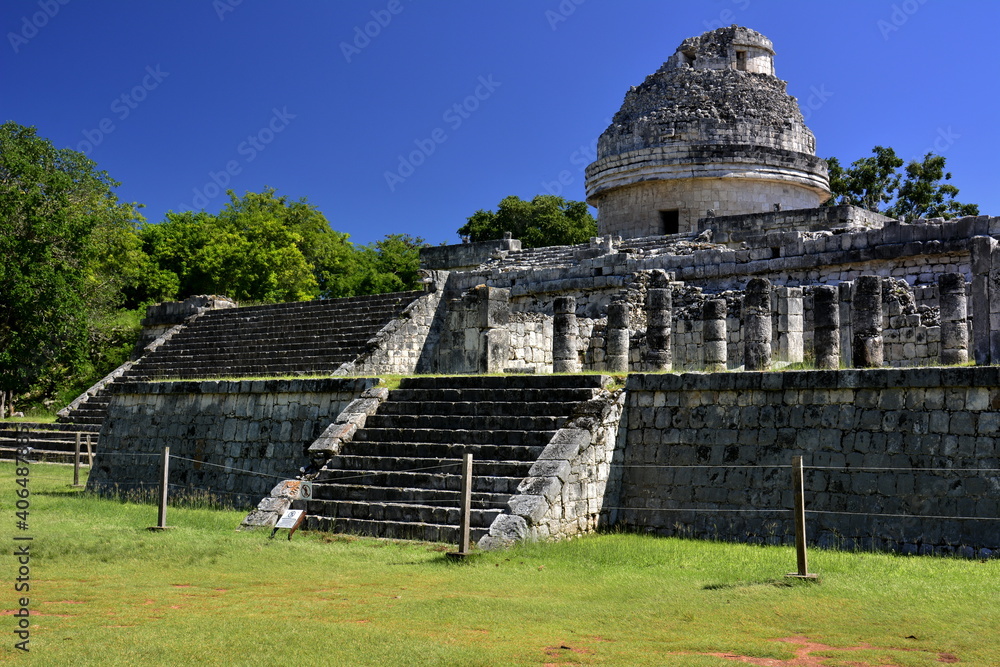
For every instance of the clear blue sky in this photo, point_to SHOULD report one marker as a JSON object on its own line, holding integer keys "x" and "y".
{"x": 162, "y": 95}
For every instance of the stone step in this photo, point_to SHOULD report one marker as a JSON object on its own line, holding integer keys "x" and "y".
{"x": 449, "y": 436}
{"x": 254, "y": 345}
{"x": 391, "y": 529}
{"x": 409, "y": 512}
{"x": 334, "y": 325}
{"x": 444, "y": 450}
{"x": 438, "y": 481}
{"x": 217, "y": 367}
{"x": 288, "y": 307}
{"x": 475, "y": 408}
{"x": 363, "y": 463}
{"x": 334, "y": 491}
{"x": 465, "y": 423}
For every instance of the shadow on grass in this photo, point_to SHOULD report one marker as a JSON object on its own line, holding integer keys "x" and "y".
{"x": 777, "y": 583}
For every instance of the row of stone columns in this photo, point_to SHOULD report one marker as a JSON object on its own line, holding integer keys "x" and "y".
{"x": 866, "y": 344}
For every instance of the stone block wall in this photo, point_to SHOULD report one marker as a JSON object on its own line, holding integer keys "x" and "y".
{"x": 888, "y": 453}
{"x": 242, "y": 436}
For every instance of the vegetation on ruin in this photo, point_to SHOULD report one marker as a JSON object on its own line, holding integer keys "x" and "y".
{"x": 105, "y": 591}
{"x": 877, "y": 184}
{"x": 81, "y": 266}
{"x": 546, "y": 220}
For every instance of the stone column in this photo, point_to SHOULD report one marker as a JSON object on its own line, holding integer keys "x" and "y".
{"x": 757, "y": 325}
{"x": 659, "y": 311}
{"x": 714, "y": 334}
{"x": 789, "y": 324}
{"x": 866, "y": 322}
{"x": 954, "y": 312}
{"x": 618, "y": 336}
{"x": 985, "y": 301}
{"x": 826, "y": 330}
{"x": 565, "y": 358}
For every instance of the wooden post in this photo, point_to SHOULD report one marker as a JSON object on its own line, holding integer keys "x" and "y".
{"x": 164, "y": 479}
{"x": 76, "y": 461}
{"x": 798, "y": 483}
{"x": 466, "y": 509}
{"x": 90, "y": 453}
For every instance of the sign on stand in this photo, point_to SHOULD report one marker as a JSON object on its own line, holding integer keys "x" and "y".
{"x": 291, "y": 520}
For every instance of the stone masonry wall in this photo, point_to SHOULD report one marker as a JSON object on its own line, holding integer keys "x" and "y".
{"x": 882, "y": 449}
{"x": 242, "y": 436}
{"x": 564, "y": 493}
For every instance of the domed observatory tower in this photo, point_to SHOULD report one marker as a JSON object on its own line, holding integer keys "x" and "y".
{"x": 711, "y": 133}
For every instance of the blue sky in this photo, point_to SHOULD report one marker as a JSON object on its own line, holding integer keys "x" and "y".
{"x": 443, "y": 108}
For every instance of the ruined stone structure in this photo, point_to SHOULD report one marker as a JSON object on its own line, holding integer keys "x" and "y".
{"x": 710, "y": 133}
{"x": 737, "y": 328}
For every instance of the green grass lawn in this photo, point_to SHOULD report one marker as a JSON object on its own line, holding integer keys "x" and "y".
{"x": 105, "y": 591}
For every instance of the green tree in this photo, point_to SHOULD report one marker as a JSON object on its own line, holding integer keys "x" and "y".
{"x": 390, "y": 265}
{"x": 876, "y": 183}
{"x": 922, "y": 193}
{"x": 869, "y": 183}
{"x": 545, "y": 220}
{"x": 69, "y": 249}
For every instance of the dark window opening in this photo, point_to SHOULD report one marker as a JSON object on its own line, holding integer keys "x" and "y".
{"x": 741, "y": 61}
{"x": 775, "y": 252}
{"x": 671, "y": 221}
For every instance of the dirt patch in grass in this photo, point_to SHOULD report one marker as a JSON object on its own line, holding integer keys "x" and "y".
{"x": 804, "y": 649}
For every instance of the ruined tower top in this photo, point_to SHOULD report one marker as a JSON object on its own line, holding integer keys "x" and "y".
{"x": 711, "y": 132}
{"x": 734, "y": 47}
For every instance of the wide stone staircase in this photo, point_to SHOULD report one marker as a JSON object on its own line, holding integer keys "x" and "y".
{"x": 296, "y": 338}
{"x": 400, "y": 476}
{"x": 280, "y": 339}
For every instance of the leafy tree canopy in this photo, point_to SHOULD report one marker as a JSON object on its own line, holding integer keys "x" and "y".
{"x": 266, "y": 248}
{"x": 71, "y": 254}
{"x": 877, "y": 184}
{"x": 545, "y": 220}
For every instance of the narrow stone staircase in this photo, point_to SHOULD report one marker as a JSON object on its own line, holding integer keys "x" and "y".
{"x": 400, "y": 476}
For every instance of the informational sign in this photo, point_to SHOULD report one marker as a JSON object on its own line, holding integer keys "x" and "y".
{"x": 290, "y": 519}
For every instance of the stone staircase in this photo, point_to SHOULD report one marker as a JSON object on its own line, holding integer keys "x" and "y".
{"x": 89, "y": 413}
{"x": 296, "y": 338}
{"x": 52, "y": 443}
{"x": 282, "y": 339}
{"x": 400, "y": 476}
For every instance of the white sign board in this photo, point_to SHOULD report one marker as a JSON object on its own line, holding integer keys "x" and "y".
{"x": 290, "y": 519}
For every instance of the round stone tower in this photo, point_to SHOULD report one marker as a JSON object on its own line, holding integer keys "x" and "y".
{"x": 712, "y": 132}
